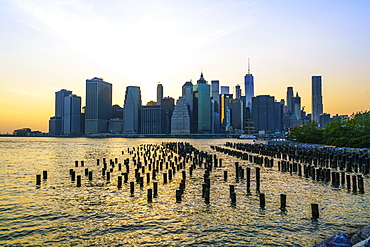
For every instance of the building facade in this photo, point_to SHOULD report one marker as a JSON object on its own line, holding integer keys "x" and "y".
{"x": 72, "y": 114}
{"x": 266, "y": 114}
{"x": 180, "y": 121}
{"x": 153, "y": 119}
{"x": 317, "y": 106}
{"x": 132, "y": 110}
{"x": 202, "y": 106}
{"x": 98, "y": 105}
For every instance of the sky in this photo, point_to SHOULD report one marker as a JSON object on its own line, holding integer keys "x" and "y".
{"x": 49, "y": 45}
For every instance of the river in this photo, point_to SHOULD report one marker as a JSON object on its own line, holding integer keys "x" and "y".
{"x": 58, "y": 213}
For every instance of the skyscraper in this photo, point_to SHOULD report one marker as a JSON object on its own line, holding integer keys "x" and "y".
{"x": 225, "y": 90}
{"x": 249, "y": 88}
{"x": 266, "y": 114}
{"x": 296, "y": 106}
{"x": 72, "y": 114}
{"x": 238, "y": 92}
{"x": 98, "y": 105}
{"x": 56, "y": 123}
{"x": 180, "y": 121}
{"x": 215, "y": 104}
{"x": 153, "y": 119}
{"x": 289, "y": 101}
{"x": 317, "y": 108}
{"x": 132, "y": 110}
{"x": 159, "y": 93}
{"x": 202, "y": 106}
{"x": 187, "y": 94}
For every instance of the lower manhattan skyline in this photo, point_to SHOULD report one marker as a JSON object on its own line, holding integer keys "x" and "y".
{"x": 47, "y": 46}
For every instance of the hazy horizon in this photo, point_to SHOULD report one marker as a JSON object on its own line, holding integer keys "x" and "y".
{"x": 52, "y": 45}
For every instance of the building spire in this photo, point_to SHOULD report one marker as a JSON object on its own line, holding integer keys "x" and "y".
{"x": 249, "y": 67}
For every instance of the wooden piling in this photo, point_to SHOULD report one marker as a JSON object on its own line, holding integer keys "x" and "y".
{"x": 315, "y": 210}
{"x": 90, "y": 175}
{"x": 44, "y": 175}
{"x": 150, "y": 195}
{"x": 178, "y": 196}
{"x": 38, "y": 179}
{"x": 282, "y": 201}
{"x": 262, "y": 200}
{"x": 78, "y": 181}
{"x": 119, "y": 182}
{"x": 132, "y": 188}
{"x": 155, "y": 189}
{"x": 258, "y": 178}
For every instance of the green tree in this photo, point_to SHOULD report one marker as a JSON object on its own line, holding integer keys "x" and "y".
{"x": 308, "y": 133}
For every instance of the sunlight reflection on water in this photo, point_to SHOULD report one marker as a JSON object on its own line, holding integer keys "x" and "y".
{"x": 98, "y": 213}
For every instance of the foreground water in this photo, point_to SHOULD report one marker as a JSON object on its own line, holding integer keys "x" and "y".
{"x": 99, "y": 214}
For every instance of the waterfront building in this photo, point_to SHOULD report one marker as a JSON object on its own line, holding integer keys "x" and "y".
{"x": 187, "y": 94}
{"x": 202, "y": 106}
{"x": 324, "y": 120}
{"x": 56, "y": 123}
{"x": 98, "y": 105}
{"x": 117, "y": 112}
{"x": 225, "y": 122}
{"x": 180, "y": 121}
{"x": 249, "y": 88}
{"x": 225, "y": 90}
{"x": 159, "y": 93}
{"x": 238, "y": 92}
{"x": 153, "y": 119}
{"x": 289, "y": 96}
{"x": 72, "y": 114}
{"x": 115, "y": 125}
{"x": 215, "y": 106}
{"x": 296, "y": 106}
{"x": 266, "y": 114}
{"x": 317, "y": 106}
{"x": 237, "y": 114}
{"x": 168, "y": 104}
{"x": 132, "y": 110}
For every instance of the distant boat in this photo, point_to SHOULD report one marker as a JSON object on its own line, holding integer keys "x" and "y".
{"x": 249, "y": 137}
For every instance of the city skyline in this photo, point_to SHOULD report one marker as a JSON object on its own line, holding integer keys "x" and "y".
{"x": 50, "y": 45}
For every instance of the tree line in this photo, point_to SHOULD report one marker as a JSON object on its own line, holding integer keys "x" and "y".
{"x": 341, "y": 132}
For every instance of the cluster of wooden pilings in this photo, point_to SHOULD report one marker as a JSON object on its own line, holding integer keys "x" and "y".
{"x": 155, "y": 165}
{"x": 338, "y": 167}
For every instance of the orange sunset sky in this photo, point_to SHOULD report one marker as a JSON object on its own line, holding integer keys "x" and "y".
{"x": 51, "y": 45}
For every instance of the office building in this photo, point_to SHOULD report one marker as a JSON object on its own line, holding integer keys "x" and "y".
{"x": 236, "y": 113}
{"x": 168, "y": 104}
{"x": 324, "y": 120}
{"x": 317, "y": 106}
{"x": 132, "y": 110}
{"x": 180, "y": 121}
{"x": 159, "y": 93}
{"x": 202, "y": 106}
{"x": 225, "y": 90}
{"x": 98, "y": 105}
{"x": 224, "y": 116}
{"x": 249, "y": 88}
{"x": 72, "y": 114}
{"x": 187, "y": 94}
{"x": 153, "y": 120}
{"x": 56, "y": 123}
{"x": 289, "y": 96}
{"x": 296, "y": 106}
{"x": 266, "y": 114}
{"x": 215, "y": 106}
{"x": 238, "y": 92}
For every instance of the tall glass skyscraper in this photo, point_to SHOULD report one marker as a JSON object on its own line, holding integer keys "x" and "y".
{"x": 317, "y": 107}
{"x": 159, "y": 93}
{"x": 132, "y": 110}
{"x": 249, "y": 89}
{"x": 72, "y": 114}
{"x": 202, "y": 106}
{"x": 98, "y": 105}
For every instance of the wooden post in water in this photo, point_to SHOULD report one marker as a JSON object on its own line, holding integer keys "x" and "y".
{"x": 132, "y": 188}
{"x": 178, "y": 196}
{"x": 361, "y": 184}
{"x": 150, "y": 195}
{"x": 119, "y": 182}
{"x": 262, "y": 200}
{"x": 258, "y": 178}
{"x": 233, "y": 197}
{"x": 282, "y": 202}
{"x": 44, "y": 174}
{"x": 90, "y": 175}
{"x": 38, "y": 179}
{"x": 315, "y": 210}
{"x": 248, "y": 180}
{"x": 73, "y": 176}
{"x": 225, "y": 175}
{"x": 348, "y": 180}
{"x": 155, "y": 189}
{"x": 78, "y": 180}
{"x": 207, "y": 195}
{"x": 354, "y": 183}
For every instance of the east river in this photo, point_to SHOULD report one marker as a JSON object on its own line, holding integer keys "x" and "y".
{"x": 58, "y": 213}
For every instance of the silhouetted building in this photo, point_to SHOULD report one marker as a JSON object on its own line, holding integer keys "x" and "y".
{"x": 132, "y": 110}
{"x": 202, "y": 106}
{"x": 249, "y": 88}
{"x": 225, "y": 90}
{"x": 266, "y": 114}
{"x": 56, "y": 123}
{"x": 324, "y": 120}
{"x": 238, "y": 92}
{"x": 215, "y": 105}
{"x": 98, "y": 105}
{"x": 187, "y": 94}
{"x": 317, "y": 106}
{"x": 72, "y": 115}
{"x": 159, "y": 93}
{"x": 180, "y": 121}
{"x": 117, "y": 112}
{"x": 237, "y": 109}
{"x": 153, "y": 119}
{"x": 289, "y": 101}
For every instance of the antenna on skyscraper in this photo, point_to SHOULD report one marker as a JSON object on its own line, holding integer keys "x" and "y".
{"x": 249, "y": 68}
